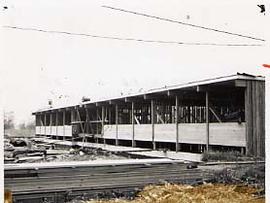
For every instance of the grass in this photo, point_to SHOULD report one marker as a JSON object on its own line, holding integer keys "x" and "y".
{"x": 223, "y": 156}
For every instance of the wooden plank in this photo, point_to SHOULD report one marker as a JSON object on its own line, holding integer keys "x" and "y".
{"x": 125, "y": 132}
{"x": 143, "y": 132}
{"x": 207, "y": 119}
{"x": 68, "y": 131}
{"x": 38, "y": 130}
{"x": 254, "y": 127}
{"x": 110, "y": 132}
{"x": 116, "y": 124}
{"x": 102, "y": 120}
{"x": 56, "y": 122}
{"x": 64, "y": 122}
{"x": 45, "y": 122}
{"x": 165, "y": 133}
{"x": 226, "y": 134}
{"x": 260, "y": 118}
{"x": 176, "y": 123}
{"x": 153, "y": 123}
{"x": 133, "y": 125}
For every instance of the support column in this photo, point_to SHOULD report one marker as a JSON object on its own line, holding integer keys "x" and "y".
{"x": 51, "y": 124}
{"x": 40, "y": 124}
{"x": 133, "y": 126}
{"x": 153, "y": 123}
{"x": 56, "y": 124}
{"x": 207, "y": 119}
{"x": 45, "y": 124}
{"x": 102, "y": 123}
{"x": 64, "y": 122}
{"x": 176, "y": 123}
{"x": 116, "y": 124}
{"x": 97, "y": 122}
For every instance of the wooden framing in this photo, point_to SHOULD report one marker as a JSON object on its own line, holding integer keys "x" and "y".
{"x": 255, "y": 118}
{"x": 178, "y": 116}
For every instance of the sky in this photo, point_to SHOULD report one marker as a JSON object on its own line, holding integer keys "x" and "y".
{"x": 36, "y": 67}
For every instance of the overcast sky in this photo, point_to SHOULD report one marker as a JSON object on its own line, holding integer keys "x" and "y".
{"x": 37, "y": 66}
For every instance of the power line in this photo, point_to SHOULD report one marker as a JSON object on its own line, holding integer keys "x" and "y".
{"x": 183, "y": 23}
{"x": 128, "y": 39}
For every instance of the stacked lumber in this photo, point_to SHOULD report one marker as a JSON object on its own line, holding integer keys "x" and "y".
{"x": 28, "y": 181}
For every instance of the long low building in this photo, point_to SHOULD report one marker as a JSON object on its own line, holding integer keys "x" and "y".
{"x": 224, "y": 113}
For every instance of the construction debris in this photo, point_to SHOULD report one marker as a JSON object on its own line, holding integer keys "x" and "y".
{"x": 31, "y": 151}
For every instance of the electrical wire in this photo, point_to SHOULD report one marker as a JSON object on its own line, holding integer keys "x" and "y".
{"x": 183, "y": 23}
{"x": 130, "y": 39}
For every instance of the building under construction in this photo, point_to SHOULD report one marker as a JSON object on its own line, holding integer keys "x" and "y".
{"x": 221, "y": 114}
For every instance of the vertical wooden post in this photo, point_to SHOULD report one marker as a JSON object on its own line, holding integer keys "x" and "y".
{"x": 153, "y": 123}
{"x": 64, "y": 122}
{"x": 176, "y": 123}
{"x": 102, "y": 123}
{"x": 56, "y": 124}
{"x": 133, "y": 126}
{"x": 97, "y": 122}
{"x": 40, "y": 123}
{"x": 116, "y": 124}
{"x": 110, "y": 115}
{"x": 207, "y": 119}
{"x": 50, "y": 123}
{"x": 45, "y": 124}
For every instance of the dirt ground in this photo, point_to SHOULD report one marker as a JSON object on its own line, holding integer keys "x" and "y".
{"x": 205, "y": 193}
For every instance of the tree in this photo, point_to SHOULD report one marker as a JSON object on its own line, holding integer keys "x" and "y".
{"x": 9, "y": 120}
{"x": 22, "y": 126}
{"x": 30, "y": 125}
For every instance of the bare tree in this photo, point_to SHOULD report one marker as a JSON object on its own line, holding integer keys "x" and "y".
{"x": 9, "y": 120}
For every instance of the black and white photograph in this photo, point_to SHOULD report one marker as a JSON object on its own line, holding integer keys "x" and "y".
{"x": 134, "y": 101}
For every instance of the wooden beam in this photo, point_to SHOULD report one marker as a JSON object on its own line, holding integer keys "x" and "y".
{"x": 101, "y": 103}
{"x": 137, "y": 121}
{"x": 160, "y": 118}
{"x": 114, "y": 102}
{"x": 133, "y": 125}
{"x": 45, "y": 123}
{"x": 116, "y": 125}
{"x": 79, "y": 117}
{"x": 153, "y": 123}
{"x": 56, "y": 122}
{"x": 128, "y": 99}
{"x": 64, "y": 122}
{"x": 148, "y": 96}
{"x": 42, "y": 124}
{"x": 97, "y": 113}
{"x": 207, "y": 119}
{"x": 51, "y": 119}
{"x": 214, "y": 113}
{"x": 102, "y": 122}
{"x": 248, "y": 118}
{"x": 176, "y": 123}
{"x": 240, "y": 83}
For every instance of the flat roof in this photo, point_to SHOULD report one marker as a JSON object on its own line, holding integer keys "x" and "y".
{"x": 238, "y": 76}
